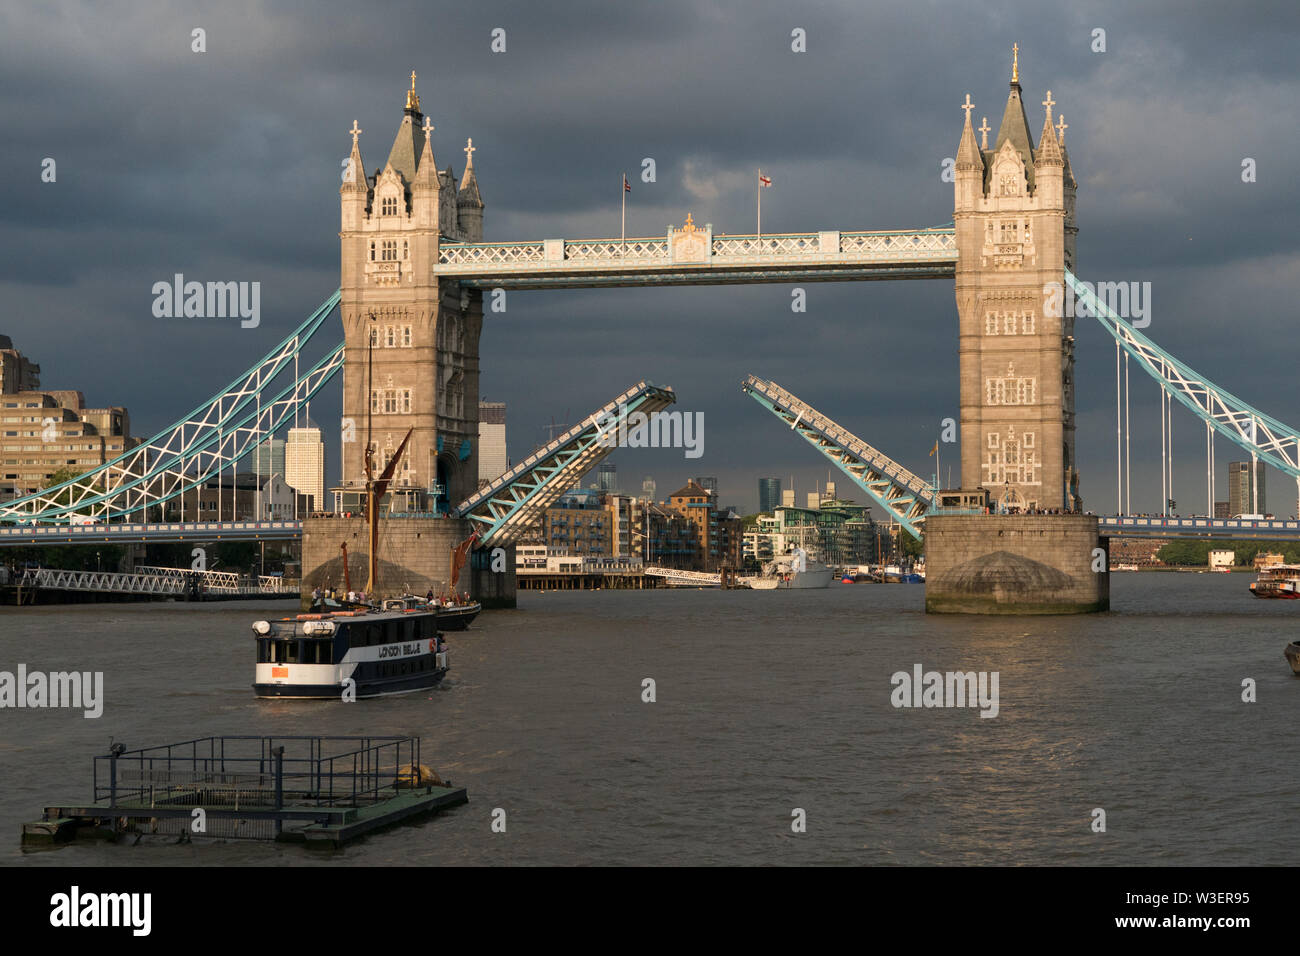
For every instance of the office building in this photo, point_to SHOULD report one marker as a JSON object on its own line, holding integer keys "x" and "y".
{"x": 1243, "y": 496}
{"x": 46, "y": 432}
{"x": 268, "y": 459}
{"x": 304, "y": 465}
{"x": 493, "y": 459}
{"x": 769, "y": 494}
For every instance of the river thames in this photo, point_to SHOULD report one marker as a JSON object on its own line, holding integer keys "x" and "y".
{"x": 766, "y": 702}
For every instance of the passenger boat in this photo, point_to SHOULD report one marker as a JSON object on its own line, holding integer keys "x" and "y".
{"x": 1277, "y": 581}
{"x": 356, "y": 650}
{"x": 1292, "y": 653}
{"x": 367, "y": 652}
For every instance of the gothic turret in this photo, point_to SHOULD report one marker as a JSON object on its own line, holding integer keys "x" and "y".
{"x": 970, "y": 166}
{"x": 1048, "y": 164}
{"x": 468, "y": 201}
{"x": 355, "y": 191}
{"x": 1013, "y": 223}
{"x": 425, "y": 188}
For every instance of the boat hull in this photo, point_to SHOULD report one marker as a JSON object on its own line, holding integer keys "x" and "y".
{"x": 458, "y": 618}
{"x": 1292, "y": 653}
{"x": 350, "y": 655}
{"x": 364, "y": 689}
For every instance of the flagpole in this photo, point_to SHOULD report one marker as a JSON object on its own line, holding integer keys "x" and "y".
{"x": 622, "y": 191}
{"x": 758, "y": 188}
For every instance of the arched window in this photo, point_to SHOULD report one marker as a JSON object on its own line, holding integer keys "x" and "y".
{"x": 389, "y": 206}
{"x": 372, "y": 250}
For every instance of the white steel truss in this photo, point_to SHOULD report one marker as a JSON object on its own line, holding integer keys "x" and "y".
{"x": 209, "y": 439}
{"x": 1262, "y": 435}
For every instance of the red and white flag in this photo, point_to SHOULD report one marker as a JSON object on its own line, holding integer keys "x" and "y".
{"x": 764, "y": 181}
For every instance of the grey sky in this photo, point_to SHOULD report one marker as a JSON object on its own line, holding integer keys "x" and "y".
{"x": 225, "y": 165}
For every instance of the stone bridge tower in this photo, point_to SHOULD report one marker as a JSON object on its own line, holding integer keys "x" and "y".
{"x": 1014, "y": 219}
{"x": 412, "y": 341}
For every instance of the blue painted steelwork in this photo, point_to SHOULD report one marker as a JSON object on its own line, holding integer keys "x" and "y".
{"x": 904, "y": 496}
{"x": 1129, "y": 526}
{"x": 1246, "y": 426}
{"x": 15, "y": 536}
{"x": 195, "y": 448}
{"x": 517, "y": 500}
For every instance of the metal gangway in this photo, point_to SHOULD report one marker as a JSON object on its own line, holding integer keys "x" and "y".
{"x": 679, "y": 578}
{"x": 156, "y": 581}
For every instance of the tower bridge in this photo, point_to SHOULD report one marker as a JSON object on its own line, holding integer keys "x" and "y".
{"x": 414, "y": 265}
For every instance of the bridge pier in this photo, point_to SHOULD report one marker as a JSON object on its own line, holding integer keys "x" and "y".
{"x": 1015, "y": 564}
{"x": 414, "y": 556}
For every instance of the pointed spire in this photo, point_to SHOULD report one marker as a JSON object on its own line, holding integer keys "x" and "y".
{"x": 1061, "y": 127}
{"x": 984, "y": 133}
{"x": 968, "y": 155}
{"x": 1049, "y": 150}
{"x": 356, "y": 174}
{"x": 427, "y": 171}
{"x": 469, "y": 194}
{"x": 412, "y": 98}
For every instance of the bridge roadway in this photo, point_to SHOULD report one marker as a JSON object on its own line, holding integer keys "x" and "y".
{"x": 1121, "y": 526}
{"x": 126, "y": 533}
{"x": 695, "y": 256}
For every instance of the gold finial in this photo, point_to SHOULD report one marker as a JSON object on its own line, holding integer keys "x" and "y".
{"x": 689, "y": 225}
{"x": 1015, "y": 63}
{"x": 412, "y": 98}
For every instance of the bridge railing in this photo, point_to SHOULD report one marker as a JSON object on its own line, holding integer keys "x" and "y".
{"x": 923, "y": 245}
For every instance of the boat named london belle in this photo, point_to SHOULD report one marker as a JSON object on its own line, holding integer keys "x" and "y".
{"x": 360, "y": 650}
{"x": 364, "y": 652}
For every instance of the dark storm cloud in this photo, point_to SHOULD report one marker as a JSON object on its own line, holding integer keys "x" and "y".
{"x": 225, "y": 165}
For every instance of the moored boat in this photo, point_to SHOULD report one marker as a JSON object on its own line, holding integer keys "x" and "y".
{"x": 1277, "y": 581}
{"x": 457, "y": 617}
{"x": 795, "y": 570}
{"x": 1292, "y": 653}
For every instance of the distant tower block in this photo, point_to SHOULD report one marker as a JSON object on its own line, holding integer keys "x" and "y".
{"x": 1014, "y": 219}
{"x": 492, "y": 457}
{"x": 422, "y": 334}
